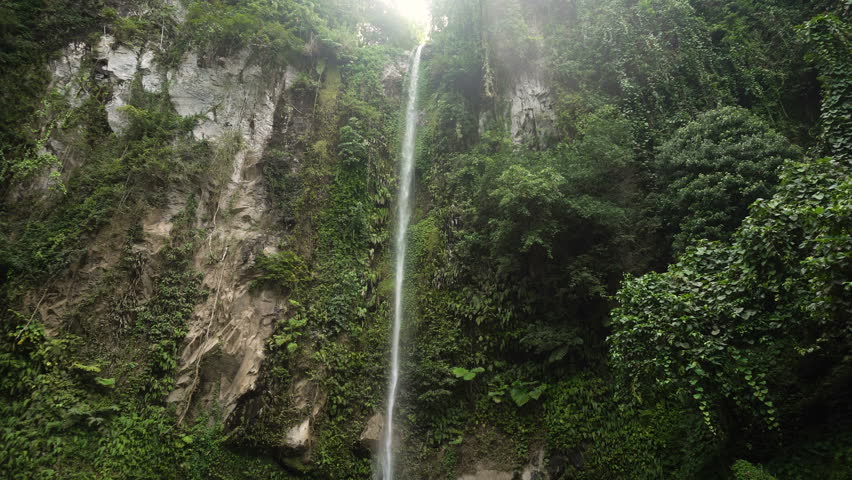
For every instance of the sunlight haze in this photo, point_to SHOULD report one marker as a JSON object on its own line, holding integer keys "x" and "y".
{"x": 415, "y": 10}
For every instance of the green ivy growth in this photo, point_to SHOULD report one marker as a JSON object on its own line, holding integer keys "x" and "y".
{"x": 721, "y": 329}
{"x": 282, "y": 270}
{"x": 827, "y": 37}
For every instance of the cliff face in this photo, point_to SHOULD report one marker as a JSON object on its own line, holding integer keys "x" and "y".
{"x": 214, "y": 174}
{"x": 516, "y": 76}
{"x": 234, "y": 102}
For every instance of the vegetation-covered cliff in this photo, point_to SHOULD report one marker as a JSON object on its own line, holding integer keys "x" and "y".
{"x": 629, "y": 256}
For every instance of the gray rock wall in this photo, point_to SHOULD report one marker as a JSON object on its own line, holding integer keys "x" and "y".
{"x": 235, "y": 101}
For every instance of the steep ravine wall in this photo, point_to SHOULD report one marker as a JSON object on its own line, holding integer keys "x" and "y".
{"x": 517, "y": 83}
{"x": 235, "y": 101}
{"x": 242, "y": 109}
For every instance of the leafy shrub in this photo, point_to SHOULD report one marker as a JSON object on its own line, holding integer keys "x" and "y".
{"x": 713, "y": 327}
{"x": 744, "y": 470}
{"x": 712, "y": 169}
{"x": 139, "y": 446}
{"x": 605, "y": 438}
{"x": 527, "y": 206}
{"x": 283, "y": 269}
{"x": 227, "y": 27}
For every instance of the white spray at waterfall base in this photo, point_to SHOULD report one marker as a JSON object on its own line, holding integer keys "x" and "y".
{"x": 406, "y": 193}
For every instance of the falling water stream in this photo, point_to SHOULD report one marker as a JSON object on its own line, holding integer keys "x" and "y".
{"x": 406, "y": 192}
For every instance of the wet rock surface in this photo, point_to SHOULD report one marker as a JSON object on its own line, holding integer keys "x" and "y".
{"x": 372, "y": 434}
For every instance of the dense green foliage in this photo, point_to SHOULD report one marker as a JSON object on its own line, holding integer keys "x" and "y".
{"x": 156, "y": 150}
{"x": 731, "y": 321}
{"x": 620, "y": 441}
{"x": 712, "y": 169}
{"x": 88, "y": 399}
{"x": 672, "y": 118}
{"x": 827, "y": 36}
{"x": 744, "y": 470}
{"x": 541, "y": 315}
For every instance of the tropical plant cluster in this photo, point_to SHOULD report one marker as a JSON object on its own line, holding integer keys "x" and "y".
{"x": 645, "y": 275}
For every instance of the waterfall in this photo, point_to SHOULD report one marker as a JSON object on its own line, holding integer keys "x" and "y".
{"x": 406, "y": 192}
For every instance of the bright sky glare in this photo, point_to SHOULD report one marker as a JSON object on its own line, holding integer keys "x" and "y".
{"x": 414, "y": 10}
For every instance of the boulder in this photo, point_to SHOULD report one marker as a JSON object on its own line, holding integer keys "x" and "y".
{"x": 372, "y": 434}
{"x": 299, "y": 437}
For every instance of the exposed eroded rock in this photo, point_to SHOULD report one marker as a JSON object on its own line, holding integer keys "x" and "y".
{"x": 235, "y": 101}
{"x": 372, "y": 433}
{"x": 532, "y": 109}
{"x": 120, "y": 65}
{"x": 299, "y": 436}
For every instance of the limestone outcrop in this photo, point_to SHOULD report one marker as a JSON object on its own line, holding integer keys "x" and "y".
{"x": 235, "y": 101}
